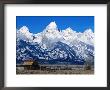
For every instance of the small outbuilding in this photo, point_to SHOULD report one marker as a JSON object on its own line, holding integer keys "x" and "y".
{"x": 31, "y": 65}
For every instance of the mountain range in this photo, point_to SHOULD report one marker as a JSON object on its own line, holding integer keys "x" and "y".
{"x": 54, "y": 46}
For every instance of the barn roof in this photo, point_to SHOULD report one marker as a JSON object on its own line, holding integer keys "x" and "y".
{"x": 28, "y": 62}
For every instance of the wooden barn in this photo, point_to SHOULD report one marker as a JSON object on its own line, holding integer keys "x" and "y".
{"x": 31, "y": 65}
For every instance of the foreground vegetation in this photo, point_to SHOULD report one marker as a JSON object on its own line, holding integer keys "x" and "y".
{"x": 55, "y": 72}
{"x": 70, "y": 70}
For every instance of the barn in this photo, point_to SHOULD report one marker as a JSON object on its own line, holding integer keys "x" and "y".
{"x": 31, "y": 65}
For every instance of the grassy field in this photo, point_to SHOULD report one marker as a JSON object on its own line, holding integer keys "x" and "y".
{"x": 49, "y": 71}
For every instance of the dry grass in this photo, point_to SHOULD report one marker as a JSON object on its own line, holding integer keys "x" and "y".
{"x": 75, "y": 71}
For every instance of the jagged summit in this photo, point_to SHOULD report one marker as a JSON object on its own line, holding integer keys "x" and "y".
{"x": 54, "y": 45}
{"x": 52, "y": 33}
{"x": 24, "y": 29}
{"x": 24, "y": 34}
{"x": 52, "y": 26}
{"x": 89, "y": 31}
{"x": 68, "y": 30}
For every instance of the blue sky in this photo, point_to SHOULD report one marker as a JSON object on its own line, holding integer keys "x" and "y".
{"x": 38, "y": 23}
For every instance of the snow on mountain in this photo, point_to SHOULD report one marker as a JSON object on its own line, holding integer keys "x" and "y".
{"x": 52, "y": 34}
{"x": 57, "y": 54}
{"x": 37, "y": 38}
{"x": 52, "y": 26}
{"x": 68, "y": 35}
{"x": 49, "y": 36}
{"x": 51, "y": 31}
{"x": 24, "y": 34}
{"x": 88, "y": 37}
{"x": 52, "y": 44}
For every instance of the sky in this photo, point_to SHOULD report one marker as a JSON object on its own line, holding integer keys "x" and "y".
{"x": 37, "y": 24}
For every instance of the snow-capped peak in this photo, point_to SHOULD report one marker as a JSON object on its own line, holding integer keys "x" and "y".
{"x": 24, "y": 29}
{"x": 52, "y": 34}
{"x": 52, "y": 26}
{"x": 88, "y": 31}
{"x": 52, "y": 44}
{"x": 24, "y": 34}
{"x": 69, "y": 30}
{"x": 87, "y": 37}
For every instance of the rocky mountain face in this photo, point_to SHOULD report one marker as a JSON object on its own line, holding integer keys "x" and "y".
{"x": 54, "y": 46}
